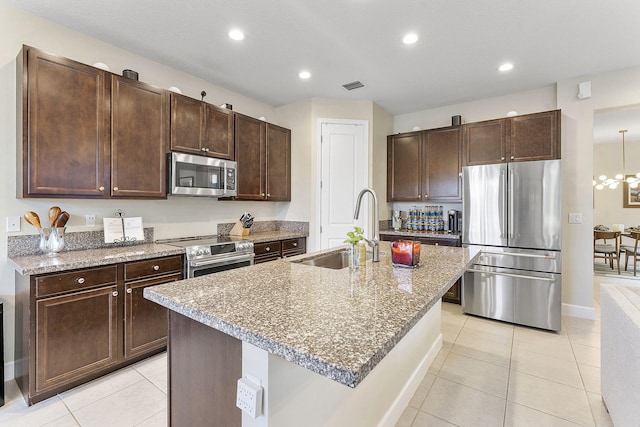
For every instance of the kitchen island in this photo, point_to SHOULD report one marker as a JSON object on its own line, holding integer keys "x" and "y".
{"x": 329, "y": 347}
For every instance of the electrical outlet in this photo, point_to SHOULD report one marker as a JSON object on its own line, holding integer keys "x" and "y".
{"x": 575, "y": 218}
{"x": 13, "y": 224}
{"x": 90, "y": 220}
{"x": 249, "y": 397}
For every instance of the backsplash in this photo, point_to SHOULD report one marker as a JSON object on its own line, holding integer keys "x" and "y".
{"x": 265, "y": 226}
{"x": 81, "y": 240}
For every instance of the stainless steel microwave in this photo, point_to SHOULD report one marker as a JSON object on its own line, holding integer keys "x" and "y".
{"x": 191, "y": 175}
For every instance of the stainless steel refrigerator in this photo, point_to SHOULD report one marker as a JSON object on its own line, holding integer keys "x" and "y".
{"x": 512, "y": 213}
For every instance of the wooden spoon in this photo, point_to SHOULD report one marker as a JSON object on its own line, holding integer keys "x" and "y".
{"x": 54, "y": 212}
{"x": 33, "y": 219}
{"x": 62, "y": 219}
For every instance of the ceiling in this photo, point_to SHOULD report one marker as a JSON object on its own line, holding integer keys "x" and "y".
{"x": 461, "y": 44}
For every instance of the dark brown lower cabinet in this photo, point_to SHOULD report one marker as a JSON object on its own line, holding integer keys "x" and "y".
{"x": 269, "y": 251}
{"x": 74, "y": 326}
{"x": 453, "y": 294}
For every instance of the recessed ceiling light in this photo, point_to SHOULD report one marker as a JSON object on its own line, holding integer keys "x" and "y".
{"x": 505, "y": 67}
{"x": 236, "y": 34}
{"x": 410, "y": 38}
{"x": 304, "y": 75}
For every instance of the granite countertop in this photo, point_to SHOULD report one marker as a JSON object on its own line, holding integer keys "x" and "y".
{"x": 338, "y": 323}
{"x": 71, "y": 260}
{"x": 432, "y": 234}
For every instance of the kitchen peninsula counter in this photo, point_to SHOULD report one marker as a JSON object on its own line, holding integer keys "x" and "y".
{"x": 339, "y": 324}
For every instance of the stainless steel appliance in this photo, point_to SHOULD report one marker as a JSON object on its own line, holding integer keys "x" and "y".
{"x": 455, "y": 221}
{"x": 512, "y": 213}
{"x": 191, "y": 175}
{"x": 212, "y": 254}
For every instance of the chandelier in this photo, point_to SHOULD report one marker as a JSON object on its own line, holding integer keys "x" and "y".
{"x": 612, "y": 183}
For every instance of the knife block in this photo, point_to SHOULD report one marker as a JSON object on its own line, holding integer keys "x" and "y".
{"x": 239, "y": 230}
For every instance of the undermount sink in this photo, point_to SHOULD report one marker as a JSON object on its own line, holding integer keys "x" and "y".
{"x": 334, "y": 260}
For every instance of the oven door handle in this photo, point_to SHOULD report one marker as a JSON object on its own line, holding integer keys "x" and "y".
{"x": 245, "y": 257}
{"x": 516, "y": 276}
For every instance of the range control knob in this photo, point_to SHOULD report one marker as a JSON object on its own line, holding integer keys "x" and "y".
{"x": 192, "y": 253}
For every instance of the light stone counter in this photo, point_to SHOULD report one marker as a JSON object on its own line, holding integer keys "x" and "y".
{"x": 337, "y": 323}
{"x": 70, "y": 260}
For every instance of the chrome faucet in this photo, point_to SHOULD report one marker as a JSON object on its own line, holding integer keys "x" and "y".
{"x": 374, "y": 242}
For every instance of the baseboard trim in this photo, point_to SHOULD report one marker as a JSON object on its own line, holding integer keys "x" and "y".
{"x": 578, "y": 311}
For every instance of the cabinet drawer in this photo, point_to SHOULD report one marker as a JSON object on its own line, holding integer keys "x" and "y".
{"x": 75, "y": 280}
{"x": 440, "y": 242}
{"x": 294, "y": 245}
{"x": 267, "y": 248}
{"x": 152, "y": 267}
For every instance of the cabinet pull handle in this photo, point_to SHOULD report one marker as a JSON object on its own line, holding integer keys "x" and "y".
{"x": 80, "y": 280}
{"x": 295, "y": 244}
{"x": 262, "y": 194}
{"x": 513, "y": 157}
{"x": 501, "y": 158}
{"x": 115, "y": 188}
{"x": 268, "y": 195}
{"x": 114, "y": 293}
{"x": 129, "y": 290}
{"x": 267, "y": 249}
{"x": 202, "y": 149}
{"x": 156, "y": 267}
{"x": 101, "y": 188}
{"x": 426, "y": 196}
{"x": 206, "y": 150}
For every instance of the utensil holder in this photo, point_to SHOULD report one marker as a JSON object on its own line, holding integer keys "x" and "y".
{"x": 52, "y": 240}
{"x": 239, "y": 230}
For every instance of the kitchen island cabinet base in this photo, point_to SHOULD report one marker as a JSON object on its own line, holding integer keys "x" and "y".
{"x": 204, "y": 365}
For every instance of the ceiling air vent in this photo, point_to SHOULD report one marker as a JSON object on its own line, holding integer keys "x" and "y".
{"x": 353, "y": 85}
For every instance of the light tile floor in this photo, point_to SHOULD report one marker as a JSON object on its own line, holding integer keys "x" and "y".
{"x": 488, "y": 373}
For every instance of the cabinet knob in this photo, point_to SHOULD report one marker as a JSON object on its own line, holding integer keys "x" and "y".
{"x": 129, "y": 290}
{"x": 156, "y": 267}
{"x": 501, "y": 158}
{"x": 206, "y": 150}
{"x": 114, "y": 293}
{"x": 202, "y": 149}
{"x": 101, "y": 188}
{"x": 262, "y": 194}
{"x": 268, "y": 195}
{"x": 436, "y": 244}
{"x": 513, "y": 157}
{"x": 115, "y": 188}
{"x": 295, "y": 244}
{"x": 267, "y": 249}
{"x": 80, "y": 280}
{"x": 426, "y": 196}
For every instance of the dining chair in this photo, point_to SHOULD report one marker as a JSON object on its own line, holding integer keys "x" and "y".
{"x": 606, "y": 250}
{"x": 631, "y": 251}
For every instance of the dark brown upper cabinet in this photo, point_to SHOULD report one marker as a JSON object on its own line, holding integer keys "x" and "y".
{"x": 263, "y": 153}
{"x": 201, "y": 128}
{"x": 140, "y": 131}
{"x": 424, "y": 166}
{"x": 87, "y": 133}
{"x": 64, "y": 127}
{"x": 514, "y": 139}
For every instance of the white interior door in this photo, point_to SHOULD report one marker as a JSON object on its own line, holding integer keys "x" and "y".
{"x": 344, "y": 164}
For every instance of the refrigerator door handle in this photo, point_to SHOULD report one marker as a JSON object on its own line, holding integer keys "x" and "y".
{"x": 503, "y": 177}
{"x": 521, "y": 255}
{"x": 518, "y": 276}
{"x": 511, "y": 209}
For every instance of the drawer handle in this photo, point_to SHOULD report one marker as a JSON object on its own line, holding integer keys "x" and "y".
{"x": 129, "y": 290}
{"x": 267, "y": 249}
{"x": 295, "y": 244}
{"x": 156, "y": 267}
{"x": 114, "y": 293}
{"x": 80, "y": 280}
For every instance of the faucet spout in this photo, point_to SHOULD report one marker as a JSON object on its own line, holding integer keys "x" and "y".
{"x": 374, "y": 242}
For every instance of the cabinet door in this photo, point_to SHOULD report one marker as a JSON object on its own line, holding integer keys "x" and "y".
{"x": 76, "y": 334}
{"x": 217, "y": 135}
{"x": 140, "y": 131}
{"x": 145, "y": 322}
{"x": 404, "y": 165}
{"x": 250, "y": 155}
{"x": 65, "y": 129}
{"x": 278, "y": 156}
{"x": 186, "y": 124}
{"x": 485, "y": 142}
{"x": 535, "y": 136}
{"x": 442, "y": 151}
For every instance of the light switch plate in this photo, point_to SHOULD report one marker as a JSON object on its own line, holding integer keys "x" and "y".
{"x": 13, "y": 224}
{"x": 575, "y": 218}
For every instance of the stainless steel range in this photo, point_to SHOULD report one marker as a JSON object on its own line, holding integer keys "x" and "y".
{"x": 212, "y": 254}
